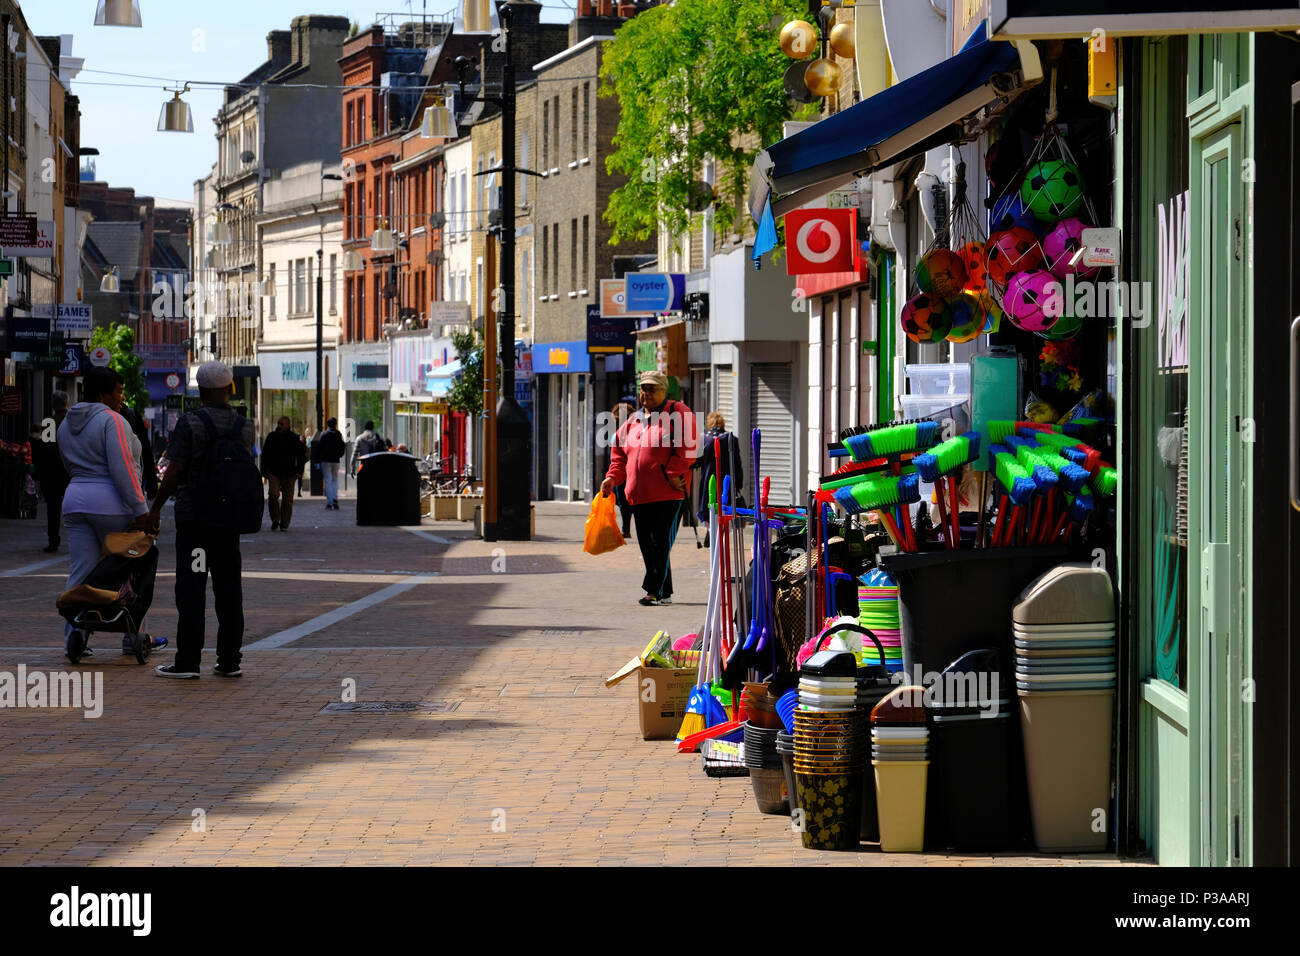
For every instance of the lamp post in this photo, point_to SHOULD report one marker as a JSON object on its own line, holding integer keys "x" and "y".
{"x": 320, "y": 315}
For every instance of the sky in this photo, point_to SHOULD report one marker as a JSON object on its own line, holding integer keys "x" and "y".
{"x": 182, "y": 40}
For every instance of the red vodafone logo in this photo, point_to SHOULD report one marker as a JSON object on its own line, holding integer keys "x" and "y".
{"x": 820, "y": 240}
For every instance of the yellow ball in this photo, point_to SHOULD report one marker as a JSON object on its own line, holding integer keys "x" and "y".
{"x": 823, "y": 77}
{"x": 842, "y": 40}
{"x": 798, "y": 39}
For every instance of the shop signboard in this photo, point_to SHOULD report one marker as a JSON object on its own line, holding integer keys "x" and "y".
{"x": 74, "y": 320}
{"x": 29, "y": 334}
{"x": 434, "y": 408}
{"x": 41, "y": 244}
{"x": 100, "y": 356}
{"x": 655, "y": 291}
{"x": 612, "y": 335}
{"x": 74, "y": 359}
{"x": 613, "y": 299}
{"x": 647, "y": 356}
{"x": 1042, "y": 19}
{"x": 965, "y": 19}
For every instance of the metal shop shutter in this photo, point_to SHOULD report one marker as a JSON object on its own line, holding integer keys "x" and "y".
{"x": 771, "y": 410}
{"x": 726, "y": 397}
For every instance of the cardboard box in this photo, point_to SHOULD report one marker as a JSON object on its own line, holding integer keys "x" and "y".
{"x": 661, "y": 694}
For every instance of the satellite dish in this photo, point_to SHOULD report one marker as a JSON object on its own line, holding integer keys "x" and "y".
{"x": 916, "y": 35}
{"x": 795, "y": 87}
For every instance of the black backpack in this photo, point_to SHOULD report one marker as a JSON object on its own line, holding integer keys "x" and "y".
{"x": 228, "y": 488}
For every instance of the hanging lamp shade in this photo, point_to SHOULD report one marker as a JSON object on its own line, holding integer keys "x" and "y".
{"x": 110, "y": 282}
{"x": 352, "y": 261}
{"x": 219, "y": 235}
{"x": 477, "y": 16}
{"x": 382, "y": 239}
{"x": 175, "y": 116}
{"x": 438, "y": 122}
{"x": 117, "y": 13}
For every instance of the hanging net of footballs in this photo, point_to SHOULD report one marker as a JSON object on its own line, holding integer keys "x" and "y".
{"x": 951, "y": 298}
{"x": 1036, "y": 235}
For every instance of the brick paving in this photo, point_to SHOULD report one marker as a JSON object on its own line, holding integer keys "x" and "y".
{"x": 530, "y": 760}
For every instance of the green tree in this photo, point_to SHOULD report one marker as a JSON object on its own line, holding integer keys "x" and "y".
{"x": 695, "y": 80}
{"x": 466, "y": 391}
{"x": 120, "y": 342}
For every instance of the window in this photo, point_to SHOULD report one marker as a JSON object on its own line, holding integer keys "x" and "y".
{"x": 348, "y": 210}
{"x": 362, "y": 133}
{"x": 464, "y": 201}
{"x": 546, "y": 262}
{"x": 555, "y": 259}
{"x": 359, "y": 318}
{"x": 479, "y": 206}
{"x": 546, "y": 137}
{"x": 573, "y": 136}
{"x": 555, "y": 121}
{"x": 584, "y": 285}
{"x": 350, "y": 315}
{"x": 525, "y": 288}
{"x": 270, "y": 280}
{"x": 298, "y": 304}
{"x": 334, "y": 278}
{"x": 586, "y": 119}
{"x": 573, "y": 255}
{"x": 480, "y": 298}
{"x": 359, "y": 230}
{"x": 379, "y": 299}
{"x": 349, "y": 130}
{"x": 523, "y": 163}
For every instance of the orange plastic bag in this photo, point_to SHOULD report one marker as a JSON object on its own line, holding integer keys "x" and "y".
{"x": 602, "y": 527}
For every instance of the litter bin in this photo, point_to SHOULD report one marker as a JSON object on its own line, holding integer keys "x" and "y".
{"x": 971, "y": 764}
{"x": 388, "y": 489}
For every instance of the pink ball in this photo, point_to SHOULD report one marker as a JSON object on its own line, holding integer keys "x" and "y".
{"x": 1061, "y": 243}
{"x": 1034, "y": 300}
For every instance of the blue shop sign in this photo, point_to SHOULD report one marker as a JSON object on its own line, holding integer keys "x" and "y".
{"x": 655, "y": 291}
{"x": 559, "y": 357}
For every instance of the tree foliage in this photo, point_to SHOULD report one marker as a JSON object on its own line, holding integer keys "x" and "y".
{"x": 120, "y": 342}
{"x": 695, "y": 80}
{"x": 466, "y": 391}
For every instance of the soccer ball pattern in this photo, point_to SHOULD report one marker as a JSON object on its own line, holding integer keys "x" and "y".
{"x": 1052, "y": 190}
{"x": 941, "y": 272}
{"x": 1066, "y": 327}
{"x": 1059, "y": 246}
{"x": 968, "y": 315}
{"x": 926, "y": 318}
{"x": 1010, "y": 251}
{"x": 1010, "y": 211}
{"x": 1027, "y": 301}
{"x": 977, "y": 274}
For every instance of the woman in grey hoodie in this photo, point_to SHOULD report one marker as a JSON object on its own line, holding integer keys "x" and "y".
{"x": 105, "y": 494}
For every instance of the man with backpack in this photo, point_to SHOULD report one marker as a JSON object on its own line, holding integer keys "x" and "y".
{"x": 368, "y": 443}
{"x": 212, "y": 473}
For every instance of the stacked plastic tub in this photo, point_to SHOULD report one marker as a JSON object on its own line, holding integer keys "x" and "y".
{"x": 900, "y": 743}
{"x": 1064, "y": 630}
{"x": 828, "y": 752}
{"x": 878, "y": 612}
{"x": 765, "y": 773}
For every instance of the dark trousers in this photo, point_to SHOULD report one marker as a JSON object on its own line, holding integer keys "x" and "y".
{"x": 656, "y": 530}
{"x": 624, "y": 510}
{"x": 53, "y": 516}
{"x": 279, "y": 498}
{"x": 218, "y": 554}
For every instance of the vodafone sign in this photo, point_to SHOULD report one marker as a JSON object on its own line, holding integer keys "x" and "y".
{"x": 821, "y": 240}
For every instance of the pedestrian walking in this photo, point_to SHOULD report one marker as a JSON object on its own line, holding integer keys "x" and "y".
{"x": 368, "y": 443}
{"x": 329, "y": 451}
{"x": 282, "y": 460}
{"x": 651, "y": 456}
{"x": 622, "y": 412}
{"x": 218, "y": 492}
{"x": 148, "y": 461}
{"x": 50, "y": 472}
{"x": 102, "y": 458}
{"x": 716, "y": 427}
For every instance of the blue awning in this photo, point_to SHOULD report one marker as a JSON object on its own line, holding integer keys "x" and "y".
{"x": 438, "y": 380}
{"x": 920, "y": 113}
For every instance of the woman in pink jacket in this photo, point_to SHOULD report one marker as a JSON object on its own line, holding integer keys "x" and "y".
{"x": 651, "y": 456}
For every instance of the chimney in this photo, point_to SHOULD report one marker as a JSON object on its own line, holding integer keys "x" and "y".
{"x": 277, "y": 46}
{"x": 626, "y": 9}
{"x": 605, "y": 8}
{"x": 317, "y": 30}
{"x": 585, "y": 8}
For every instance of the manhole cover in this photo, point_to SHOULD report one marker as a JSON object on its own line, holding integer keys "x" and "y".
{"x": 391, "y": 707}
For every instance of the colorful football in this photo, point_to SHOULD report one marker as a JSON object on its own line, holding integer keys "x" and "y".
{"x": 1010, "y": 211}
{"x": 992, "y": 313}
{"x": 926, "y": 318}
{"x": 1010, "y": 251}
{"x": 941, "y": 272}
{"x": 1066, "y": 327}
{"x": 968, "y": 315}
{"x": 1033, "y": 300}
{"x": 977, "y": 274}
{"x": 1059, "y": 246}
{"x": 1052, "y": 189}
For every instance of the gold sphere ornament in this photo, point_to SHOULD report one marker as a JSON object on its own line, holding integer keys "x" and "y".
{"x": 823, "y": 77}
{"x": 842, "y": 40}
{"x": 798, "y": 39}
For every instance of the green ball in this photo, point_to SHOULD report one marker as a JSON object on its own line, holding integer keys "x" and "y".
{"x": 1066, "y": 327}
{"x": 1052, "y": 190}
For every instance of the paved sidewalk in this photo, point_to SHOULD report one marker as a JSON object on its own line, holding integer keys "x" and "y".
{"x": 522, "y": 755}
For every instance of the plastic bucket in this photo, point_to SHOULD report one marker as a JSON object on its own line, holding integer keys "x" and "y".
{"x": 900, "y": 804}
{"x": 972, "y": 764}
{"x": 832, "y": 810}
{"x": 769, "y": 790}
{"x": 1067, "y": 740}
{"x": 951, "y": 602}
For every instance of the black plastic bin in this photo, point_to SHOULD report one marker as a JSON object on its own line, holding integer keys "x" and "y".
{"x": 971, "y": 777}
{"x": 951, "y": 602}
{"x": 388, "y": 490}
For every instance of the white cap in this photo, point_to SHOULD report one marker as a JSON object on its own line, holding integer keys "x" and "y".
{"x": 214, "y": 375}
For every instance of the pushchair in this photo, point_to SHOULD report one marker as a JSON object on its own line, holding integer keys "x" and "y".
{"x": 115, "y": 597}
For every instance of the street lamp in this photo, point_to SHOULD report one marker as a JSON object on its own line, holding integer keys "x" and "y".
{"x": 352, "y": 261}
{"x": 320, "y": 316}
{"x": 110, "y": 281}
{"x": 175, "y": 116}
{"x": 381, "y": 240}
{"x": 438, "y": 121}
{"x": 117, "y": 13}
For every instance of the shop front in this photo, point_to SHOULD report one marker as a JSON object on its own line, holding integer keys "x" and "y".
{"x": 422, "y": 369}
{"x": 288, "y": 388}
{"x": 565, "y": 420}
{"x": 363, "y": 387}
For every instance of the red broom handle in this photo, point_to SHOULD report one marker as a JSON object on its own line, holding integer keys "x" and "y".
{"x": 954, "y": 512}
{"x": 997, "y": 527}
{"x": 888, "y": 520}
{"x": 1060, "y": 526}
